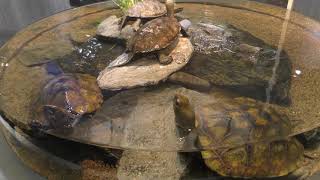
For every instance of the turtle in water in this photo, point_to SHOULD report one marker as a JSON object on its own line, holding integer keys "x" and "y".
{"x": 143, "y": 10}
{"x": 241, "y": 138}
{"x": 66, "y": 98}
{"x": 155, "y": 35}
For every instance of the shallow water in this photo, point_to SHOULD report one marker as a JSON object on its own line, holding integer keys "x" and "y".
{"x": 284, "y": 72}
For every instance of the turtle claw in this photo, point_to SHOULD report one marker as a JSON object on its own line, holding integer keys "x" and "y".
{"x": 121, "y": 60}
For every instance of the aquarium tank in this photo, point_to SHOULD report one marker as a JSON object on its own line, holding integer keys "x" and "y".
{"x": 172, "y": 89}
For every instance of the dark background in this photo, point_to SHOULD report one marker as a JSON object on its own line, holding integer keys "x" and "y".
{"x": 16, "y": 14}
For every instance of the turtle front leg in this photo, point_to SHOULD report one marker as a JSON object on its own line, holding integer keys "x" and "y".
{"x": 136, "y": 25}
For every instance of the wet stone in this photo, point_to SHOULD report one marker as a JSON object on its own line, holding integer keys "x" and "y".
{"x": 232, "y": 58}
{"x": 189, "y": 81}
{"x": 147, "y": 8}
{"x": 145, "y": 71}
{"x": 90, "y": 57}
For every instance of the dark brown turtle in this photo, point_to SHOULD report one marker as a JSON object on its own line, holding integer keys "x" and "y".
{"x": 155, "y": 35}
{"x": 66, "y": 98}
{"x": 147, "y": 9}
{"x": 226, "y": 129}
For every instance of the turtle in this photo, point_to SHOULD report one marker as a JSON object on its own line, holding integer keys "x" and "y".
{"x": 146, "y": 10}
{"x": 240, "y": 137}
{"x": 114, "y": 28}
{"x": 155, "y": 35}
{"x": 65, "y": 98}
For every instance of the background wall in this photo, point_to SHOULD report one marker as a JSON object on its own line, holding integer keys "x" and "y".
{"x": 16, "y": 14}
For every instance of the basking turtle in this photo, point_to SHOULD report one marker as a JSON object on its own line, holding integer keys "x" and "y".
{"x": 147, "y": 9}
{"x": 222, "y": 126}
{"x": 155, "y": 35}
{"x": 66, "y": 98}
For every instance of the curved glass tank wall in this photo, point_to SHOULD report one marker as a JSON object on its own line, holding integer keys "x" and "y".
{"x": 199, "y": 90}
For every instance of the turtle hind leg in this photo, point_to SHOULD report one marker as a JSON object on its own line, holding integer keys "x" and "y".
{"x": 164, "y": 58}
{"x": 124, "y": 21}
{"x": 121, "y": 60}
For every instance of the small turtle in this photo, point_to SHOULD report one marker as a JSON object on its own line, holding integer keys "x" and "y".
{"x": 155, "y": 35}
{"x": 225, "y": 130}
{"x": 66, "y": 98}
{"x": 147, "y": 9}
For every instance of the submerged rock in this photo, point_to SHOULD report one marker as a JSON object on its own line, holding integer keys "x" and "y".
{"x": 151, "y": 165}
{"x": 147, "y": 9}
{"x": 118, "y": 122}
{"x": 97, "y": 170}
{"x": 66, "y": 98}
{"x": 111, "y": 29}
{"x": 90, "y": 57}
{"x": 147, "y": 70}
{"x": 229, "y": 57}
{"x": 189, "y": 81}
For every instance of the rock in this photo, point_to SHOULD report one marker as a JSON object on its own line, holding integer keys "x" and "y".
{"x": 209, "y": 38}
{"x": 189, "y": 81}
{"x": 97, "y": 170}
{"x": 145, "y": 71}
{"x": 235, "y": 59}
{"x": 110, "y": 27}
{"x": 151, "y": 165}
{"x": 118, "y": 123}
{"x": 185, "y": 24}
{"x": 147, "y": 9}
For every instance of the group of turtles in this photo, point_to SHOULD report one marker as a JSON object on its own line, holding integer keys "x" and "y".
{"x": 237, "y": 137}
{"x": 160, "y": 31}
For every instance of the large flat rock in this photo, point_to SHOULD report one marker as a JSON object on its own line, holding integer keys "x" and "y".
{"x": 147, "y": 70}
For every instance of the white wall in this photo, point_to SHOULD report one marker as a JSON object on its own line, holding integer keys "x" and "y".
{"x": 16, "y": 14}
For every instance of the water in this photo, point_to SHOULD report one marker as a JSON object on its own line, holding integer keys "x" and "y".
{"x": 244, "y": 49}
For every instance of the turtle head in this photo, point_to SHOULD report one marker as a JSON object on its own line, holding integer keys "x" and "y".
{"x": 181, "y": 101}
{"x": 170, "y": 7}
{"x": 184, "y": 111}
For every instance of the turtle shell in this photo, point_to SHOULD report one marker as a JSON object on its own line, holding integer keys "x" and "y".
{"x": 147, "y": 9}
{"x": 245, "y": 120}
{"x": 155, "y": 35}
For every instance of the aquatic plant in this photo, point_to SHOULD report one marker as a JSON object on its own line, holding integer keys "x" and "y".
{"x": 125, "y": 4}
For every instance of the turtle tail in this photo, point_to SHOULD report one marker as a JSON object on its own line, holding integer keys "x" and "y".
{"x": 121, "y": 60}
